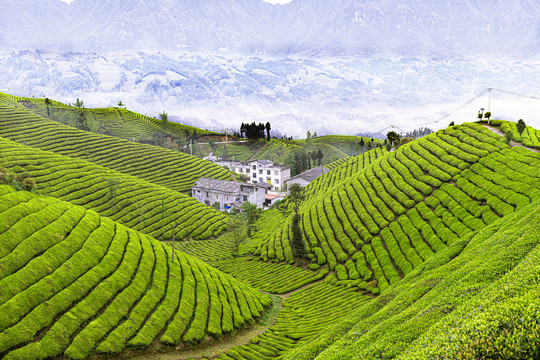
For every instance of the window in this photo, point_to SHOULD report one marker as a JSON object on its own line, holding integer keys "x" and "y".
{"x": 207, "y": 202}
{"x": 276, "y": 173}
{"x": 217, "y": 196}
{"x": 198, "y": 191}
{"x": 248, "y": 170}
{"x": 237, "y": 199}
{"x": 260, "y": 179}
{"x": 254, "y": 175}
{"x": 276, "y": 181}
{"x": 207, "y": 194}
{"x": 268, "y": 172}
{"x": 227, "y": 198}
{"x": 245, "y": 198}
{"x": 260, "y": 172}
{"x": 254, "y": 167}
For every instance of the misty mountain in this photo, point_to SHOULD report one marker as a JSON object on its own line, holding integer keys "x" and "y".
{"x": 302, "y": 27}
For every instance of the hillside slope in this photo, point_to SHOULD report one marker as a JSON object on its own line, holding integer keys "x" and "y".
{"x": 477, "y": 299}
{"x": 76, "y": 284}
{"x": 172, "y": 169}
{"x": 381, "y": 223}
{"x": 116, "y": 121}
{"x": 134, "y": 202}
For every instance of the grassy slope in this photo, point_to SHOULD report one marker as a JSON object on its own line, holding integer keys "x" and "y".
{"x": 476, "y": 299}
{"x": 530, "y": 136}
{"x": 381, "y": 223}
{"x": 168, "y": 168}
{"x": 118, "y": 122}
{"x": 137, "y": 203}
{"x": 75, "y": 283}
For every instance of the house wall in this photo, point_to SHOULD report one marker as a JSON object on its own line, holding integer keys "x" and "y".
{"x": 209, "y": 197}
{"x": 300, "y": 181}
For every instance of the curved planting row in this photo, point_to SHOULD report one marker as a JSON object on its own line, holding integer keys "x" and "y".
{"x": 136, "y": 203}
{"x": 345, "y": 143}
{"x": 274, "y": 278}
{"x": 305, "y": 314}
{"x": 117, "y": 121}
{"x": 168, "y": 168}
{"x": 340, "y": 172}
{"x": 476, "y": 300}
{"x": 378, "y": 225}
{"x": 209, "y": 250}
{"x": 529, "y": 137}
{"x": 237, "y": 152}
{"x": 76, "y": 284}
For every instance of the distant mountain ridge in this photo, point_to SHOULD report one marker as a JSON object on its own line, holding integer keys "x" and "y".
{"x": 302, "y": 27}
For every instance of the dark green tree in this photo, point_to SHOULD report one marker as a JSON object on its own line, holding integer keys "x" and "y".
{"x": 451, "y": 123}
{"x": 79, "y": 103}
{"x": 521, "y": 126}
{"x": 320, "y": 156}
{"x": 296, "y": 196}
{"x": 508, "y": 135}
{"x": 48, "y": 102}
{"x": 82, "y": 123}
{"x": 393, "y": 137}
{"x": 268, "y": 128}
{"x": 487, "y": 115}
{"x": 236, "y": 227}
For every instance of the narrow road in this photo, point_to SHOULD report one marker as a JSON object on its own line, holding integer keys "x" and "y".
{"x": 513, "y": 143}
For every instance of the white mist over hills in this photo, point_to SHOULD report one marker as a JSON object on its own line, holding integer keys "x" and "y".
{"x": 301, "y": 27}
{"x": 340, "y": 66}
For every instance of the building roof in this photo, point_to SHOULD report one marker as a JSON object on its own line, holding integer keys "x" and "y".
{"x": 272, "y": 196}
{"x": 311, "y": 174}
{"x": 222, "y": 185}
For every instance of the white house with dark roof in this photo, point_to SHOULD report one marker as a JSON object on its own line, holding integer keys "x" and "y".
{"x": 228, "y": 194}
{"x": 307, "y": 176}
{"x": 259, "y": 171}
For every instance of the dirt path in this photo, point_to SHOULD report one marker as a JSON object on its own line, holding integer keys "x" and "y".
{"x": 257, "y": 153}
{"x": 207, "y": 349}
{"x": 513, "y": 143}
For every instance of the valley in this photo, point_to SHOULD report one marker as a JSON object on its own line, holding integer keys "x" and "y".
{"x": 425, "y": 249}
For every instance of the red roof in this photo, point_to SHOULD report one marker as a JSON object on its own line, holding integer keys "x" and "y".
{"x": 271, "y": 196}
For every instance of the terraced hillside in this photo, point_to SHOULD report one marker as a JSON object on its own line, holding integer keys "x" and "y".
{"x": 77, "y": 284}
{"x": 530, "y": 136}
{"x": 477, "y": 299}
{"x": 344, "y": 143}
{"x": 117, "y": 122}
{"x": 171, "y": 169}
{"x": 136, "y": 203}
{"x": 379, "y": 225}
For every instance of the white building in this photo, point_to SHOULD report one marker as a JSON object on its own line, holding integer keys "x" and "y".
{"x": 260, "y": 171}
{"x": 228, "y": 194}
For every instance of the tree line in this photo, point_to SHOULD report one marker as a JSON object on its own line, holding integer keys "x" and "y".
{"x": 255, "y": 131}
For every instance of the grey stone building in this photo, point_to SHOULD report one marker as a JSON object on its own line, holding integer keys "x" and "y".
{"x": 228, "y": 194}
{"x": 307, "y": 176}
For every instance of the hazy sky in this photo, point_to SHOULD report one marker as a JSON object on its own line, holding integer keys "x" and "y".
{"x": 268, "y": 1}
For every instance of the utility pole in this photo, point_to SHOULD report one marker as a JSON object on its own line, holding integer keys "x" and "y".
{"x": 489, "y": 100}
{"x": 173, "y": 228}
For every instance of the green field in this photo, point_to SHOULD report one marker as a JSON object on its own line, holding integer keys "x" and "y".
{"x": 137, "y": 203}
{"x": 430, "y": 251}
{"x": 379, "y": 224}
{"x": 168, "y": 168}
{"x": 93, "y": 286}
{"x": 117, "y": 122}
